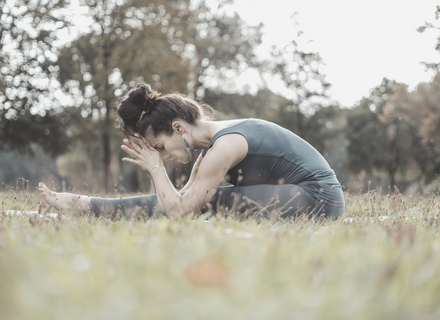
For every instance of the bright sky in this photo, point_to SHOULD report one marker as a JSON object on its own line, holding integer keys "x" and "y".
{"x": 359, "y": 41}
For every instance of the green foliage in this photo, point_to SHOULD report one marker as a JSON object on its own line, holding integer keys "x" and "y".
{"x": 435, "y": 66}
{"x": 265, "y": 104}
{"x": 380, "y": 134}
{"x": 299, "y": 71}
{"x": 366, "y": 267}
{"x": 35, "y": 168}
{"x": 428, "y": 108}
{"x": 221, "y": 44}
{"x": 425, "y": 114}
{"x": 169, "y": 42}
{"x": 28, "y": 70}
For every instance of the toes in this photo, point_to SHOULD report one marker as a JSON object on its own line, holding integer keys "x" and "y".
{"x": 42, "y": 187}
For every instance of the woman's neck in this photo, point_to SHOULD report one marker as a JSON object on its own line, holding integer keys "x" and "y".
{"x": 202, "y": 133}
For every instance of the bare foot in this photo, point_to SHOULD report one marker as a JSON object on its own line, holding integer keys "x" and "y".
{"x": 66, "y": 202}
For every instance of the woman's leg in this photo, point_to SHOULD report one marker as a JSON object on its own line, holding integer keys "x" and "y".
{"x": 66, "y": 202}
{"x": 109, "y": 206}
{"x": 287, "y": 200}
{"x": 284, "y": 200}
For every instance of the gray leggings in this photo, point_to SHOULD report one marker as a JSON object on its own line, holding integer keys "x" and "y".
{"x": 288, "y": 200}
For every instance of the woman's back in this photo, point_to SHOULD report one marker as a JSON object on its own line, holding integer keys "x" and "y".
{"x": 278, "y": 156}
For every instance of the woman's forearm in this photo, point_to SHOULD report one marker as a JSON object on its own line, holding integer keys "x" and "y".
{"x": 188, "y": 184}
{"x": 193, "y": 175}
{"x": 168, "y": 197}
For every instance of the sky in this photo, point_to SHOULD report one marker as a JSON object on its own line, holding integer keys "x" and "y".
{"x": 360, "y": 42}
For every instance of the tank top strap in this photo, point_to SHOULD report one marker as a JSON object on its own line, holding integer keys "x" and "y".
{"x": 232, "y": 129}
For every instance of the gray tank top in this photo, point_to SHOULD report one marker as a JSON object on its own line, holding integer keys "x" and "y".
{"x": 278, "y": 156}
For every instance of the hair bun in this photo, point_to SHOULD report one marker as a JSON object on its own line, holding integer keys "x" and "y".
{"x": 138, "y": 102}
{"x": 143, "y": 108}
{"x": 150, "y": 96}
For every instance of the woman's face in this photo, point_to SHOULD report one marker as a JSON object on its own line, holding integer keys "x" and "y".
{"x": 170, "y": 147}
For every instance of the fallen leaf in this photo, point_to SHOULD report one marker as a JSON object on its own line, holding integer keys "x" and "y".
{"x": 210, "y": 273}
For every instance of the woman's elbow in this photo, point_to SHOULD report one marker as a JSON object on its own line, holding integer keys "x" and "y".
{"x": 177, "y": 208}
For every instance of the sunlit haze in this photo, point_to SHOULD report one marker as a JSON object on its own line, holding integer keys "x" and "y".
{"x": 360, "y": 42}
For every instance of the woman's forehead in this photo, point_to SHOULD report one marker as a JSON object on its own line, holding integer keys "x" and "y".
{"x": 153, "y": 140}
{"x": 149, "y": 136}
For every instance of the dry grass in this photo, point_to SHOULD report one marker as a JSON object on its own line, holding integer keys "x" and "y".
{"x": 86, "y": 268}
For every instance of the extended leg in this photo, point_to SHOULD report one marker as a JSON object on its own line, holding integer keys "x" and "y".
{"x": 284, "y": 200}
{"x": 287, "y": 200}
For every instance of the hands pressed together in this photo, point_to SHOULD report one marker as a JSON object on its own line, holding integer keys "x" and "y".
{"x": 145, "y": 156}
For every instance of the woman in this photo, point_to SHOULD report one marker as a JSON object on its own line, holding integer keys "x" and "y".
{"x": 269, "y": 168}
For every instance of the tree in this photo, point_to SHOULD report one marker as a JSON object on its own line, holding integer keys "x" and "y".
{"x": 28, "y": 55}
{"x": 132, "y": 41}
{"x": 435, "y": 66}
{"x": 299, "y": 71}
{"x": 380, "y": 134}
{"x": 427, "y": 108}
{"x": 234, "y": 105}
{"x": 222, "y": 45}
{"x": 100, "y": 65}
{"x": 424, "y": 113}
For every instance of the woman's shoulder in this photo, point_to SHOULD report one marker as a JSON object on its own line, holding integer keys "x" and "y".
{"x": 237, "y": 124}
{"x": 229, "y": 133}
{"x": 232, "y": 146}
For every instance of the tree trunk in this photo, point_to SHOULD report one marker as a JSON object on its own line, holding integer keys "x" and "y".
{"x": 106, "y": 145}
{"x": 108, "y": 183}
{"x": 392, "y": 174}
{"x": 134, "y": 181}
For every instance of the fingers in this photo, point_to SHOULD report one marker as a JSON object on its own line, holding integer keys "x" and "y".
{"x": 142, "y": 152}
{"x": 134, "y": 149}
{"x": 131, "y": 148}
{"x": 143, "y": 143}
{"x": 131, "y": 145}
{"x": 129, "y": 160}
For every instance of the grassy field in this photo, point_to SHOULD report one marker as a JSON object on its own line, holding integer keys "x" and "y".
{"x": 367, "y": 267}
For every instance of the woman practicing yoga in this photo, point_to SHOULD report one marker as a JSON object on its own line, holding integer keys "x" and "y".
{"x": 268, "y": 167}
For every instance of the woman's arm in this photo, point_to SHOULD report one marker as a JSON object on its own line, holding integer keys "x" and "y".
{"x": 193, "y": 175}
{"x": 226, "y": 152}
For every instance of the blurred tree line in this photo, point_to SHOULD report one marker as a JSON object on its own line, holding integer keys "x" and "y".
{"x": 58, "y": 98}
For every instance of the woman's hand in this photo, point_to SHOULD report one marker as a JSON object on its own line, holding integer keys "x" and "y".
{"x": 145, "y": 156}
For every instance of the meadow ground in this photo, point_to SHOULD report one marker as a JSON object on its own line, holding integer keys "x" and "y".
{"x": 367, "y": 267}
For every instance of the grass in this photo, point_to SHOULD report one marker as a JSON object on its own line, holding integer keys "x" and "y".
{"x": 86, "y": 268}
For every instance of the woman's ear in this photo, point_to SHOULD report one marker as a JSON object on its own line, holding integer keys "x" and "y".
{"x": 177, "y": 126}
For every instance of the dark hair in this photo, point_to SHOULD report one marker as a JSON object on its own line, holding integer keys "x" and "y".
{"x": 143, "y": 108}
